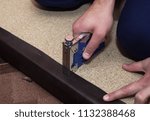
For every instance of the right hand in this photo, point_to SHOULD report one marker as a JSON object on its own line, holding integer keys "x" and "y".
{"x": 98, "y": 20}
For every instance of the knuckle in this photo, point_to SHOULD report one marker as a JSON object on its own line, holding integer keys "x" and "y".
{"x": 125, "y": 90}
{"x": 139, "y": 97}
{"x": 75, "y": 27}
{"x": 148, "y": 59}
{"x": 145, "y": 63}
{"x": 100, "y": 33}
{"x": 145, "y": 81}
{"x": 90, "y": 49}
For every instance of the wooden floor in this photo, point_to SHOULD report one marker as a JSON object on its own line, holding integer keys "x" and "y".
{"x": 16, "y": 88}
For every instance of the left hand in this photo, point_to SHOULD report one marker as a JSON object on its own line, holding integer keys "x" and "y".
{"x": 140, "y": 88}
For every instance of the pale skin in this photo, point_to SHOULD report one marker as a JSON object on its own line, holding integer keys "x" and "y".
{"x": 98, "y": 20}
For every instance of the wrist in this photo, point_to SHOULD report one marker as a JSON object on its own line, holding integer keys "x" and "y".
{"x": 106, "y": 4}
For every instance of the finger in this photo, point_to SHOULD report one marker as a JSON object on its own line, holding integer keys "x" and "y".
{"x": 133, "y": 67}
{"x": 93, "y": 44}
{"x": 77, "y": 29}
{"x": 143, "y": 96}
{"x": 75, "y": 35}
{"x": 125, "y": 91}
{"x": 77, "y": 38}
{"x": 78, "y": 32}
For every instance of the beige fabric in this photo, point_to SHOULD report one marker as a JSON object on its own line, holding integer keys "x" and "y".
{"x": 46, "y": 30}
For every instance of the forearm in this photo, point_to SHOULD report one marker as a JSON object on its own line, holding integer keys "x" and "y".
{"x": 107, "y": 4}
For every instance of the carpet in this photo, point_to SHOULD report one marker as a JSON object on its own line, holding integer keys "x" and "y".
{"x": 46, "y": 30}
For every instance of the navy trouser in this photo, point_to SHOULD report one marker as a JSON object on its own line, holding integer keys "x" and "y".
{"x": 133, "y": 30}
{"x": 62, "y": 4}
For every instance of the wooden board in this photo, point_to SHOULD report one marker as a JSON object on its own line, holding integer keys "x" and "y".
{"x": 62, "y": 83}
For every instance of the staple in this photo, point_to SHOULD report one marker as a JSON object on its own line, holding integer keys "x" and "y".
{"x": 28, "y": 79}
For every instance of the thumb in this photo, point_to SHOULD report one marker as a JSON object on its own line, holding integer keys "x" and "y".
{"x": 93, "y": 44}
{"x": 133, "y": 67}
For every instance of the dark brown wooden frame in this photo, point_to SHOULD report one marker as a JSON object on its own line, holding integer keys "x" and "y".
{"x": 52, "y": 76}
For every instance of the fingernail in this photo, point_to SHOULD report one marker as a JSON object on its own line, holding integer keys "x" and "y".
{"x": 77, "y": 39}
{"x": 125, "y": 65}
{"x": 86, "y": 55}
{"x": 106, "y": 98}
{"x": 81, "y": 36}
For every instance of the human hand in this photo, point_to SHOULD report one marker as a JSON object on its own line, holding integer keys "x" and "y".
{"x": 140, "y": 88}
{"x": 98, "y": 20}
